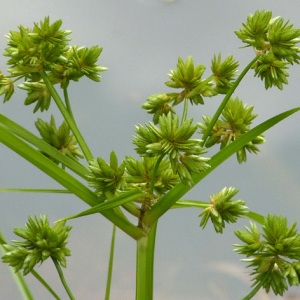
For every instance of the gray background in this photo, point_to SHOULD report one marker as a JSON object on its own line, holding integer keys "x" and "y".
{"x": 142, "y": 41}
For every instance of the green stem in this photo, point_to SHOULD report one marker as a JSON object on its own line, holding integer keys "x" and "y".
{"x": 132, "y": 209}
{"x": 86, "y": 151}
{"x": 225, "y": 100}
{"x": 145, "y": 265}
{"x": 191, "y": 203}
{"x": 67, "y": 101}
{"x": 254, "y": 291}
{"x": 111, "y": 262}
{"x": 256, "y": 217}
{"x": 185, "y": 110}
{"x": 45, "y": 284}
{"x": 62, "y": 278}
{"x": 22, "y": 285}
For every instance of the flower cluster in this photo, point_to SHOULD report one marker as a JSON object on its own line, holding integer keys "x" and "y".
{"x": 36, "y": 92}
{"x": 41, "y": 241}
{"x": 276, "y": 259}
{"x": 173, "y": 140}
{"x": 160, "y": 104}
{"x": 154, "y": 178}
{"x": 77, "y": 62}
{"x": 188, "y": 77}
{"x": 223, "y": 209}
{"x": 106, "y": 178}
{"x": 235, "y": 121}
{"x": 275, "y": 41}
{"x": 6, "y": 87}
{"x": 60, "y": 138}
{"x": 141, "y": 174}
{"x": 224, "y": 73}
{"x": 45, "y": 48}
{"x": 32, "y": 50}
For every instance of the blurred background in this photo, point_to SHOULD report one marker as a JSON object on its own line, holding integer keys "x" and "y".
{"x": 142, "y": 40}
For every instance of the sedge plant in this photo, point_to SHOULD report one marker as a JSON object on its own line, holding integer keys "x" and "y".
{"x": 172, "y": 152}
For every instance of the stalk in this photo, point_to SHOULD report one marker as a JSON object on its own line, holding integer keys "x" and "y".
{"x": 111, "y": 262}
{"x": 254, "y": 291}
{"x": 67, "y": 101}
{"x": 145, "y": 265}
{"x": 62, "y": 278}
{"x": 45, "y": 284}
{"x": 185, "y": 110}
{"x": 84, "y": 147}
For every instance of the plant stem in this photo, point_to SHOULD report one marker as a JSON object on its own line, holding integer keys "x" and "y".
{"x": 254, "y": 291}
{"x": 145, "y": 264}
{"x": 132, "y": 208}
{"x": 67, "y": 101}
{"x": 225, "y": 100}
{"x": 191, "y": 203}
{"x": 44, "y": 283}
{"x": 85, "y": 149}
{"x": 62, "y": 278}
{"x": 111, "y": 262}
{"x": 185, "y": 110}
{"x": 256, "y": 217}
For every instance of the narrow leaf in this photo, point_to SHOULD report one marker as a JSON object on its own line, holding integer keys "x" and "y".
{"x": 114, "y": 202}
{"x": 21, "y": 132}
{"x": 65, "y": 179}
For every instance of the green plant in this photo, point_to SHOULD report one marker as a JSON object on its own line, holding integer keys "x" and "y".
{"x": 172, "y": 151}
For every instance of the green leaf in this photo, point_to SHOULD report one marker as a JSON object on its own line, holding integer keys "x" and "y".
{"x": 21, "y": 132}
{"x": 64, "y": 178}
{"x": 119, "y": 200}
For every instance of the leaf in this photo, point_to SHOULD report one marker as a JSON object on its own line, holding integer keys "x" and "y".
{"x": 115, "y": 202}
{"x": 65, "y": 179}
{"x": 21, "y": 132}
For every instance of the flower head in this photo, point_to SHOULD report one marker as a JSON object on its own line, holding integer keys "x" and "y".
{"x": 33, "y": 50}
{"x": 224, "y": 72}
{"x": 275, "y": 41}
{"x": 41, "y": 241}
{"x": 173, "y": 140}
{"x": 37, "y": 92}
{"x": 45, "y": 48}
{"x": 106, "y": 178}
{"x": 6, "y": 87}
{"x": 159, "y": 104}
{"x": 276, "y": 258}
{"x": 140, "y": 174}
{"x": 223, "y": 209}
{"x": 189, "y": 78}
{"x": 60, "y": 138}
{"x": 235, "y": 120}
{"x": 76, "y": 63}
